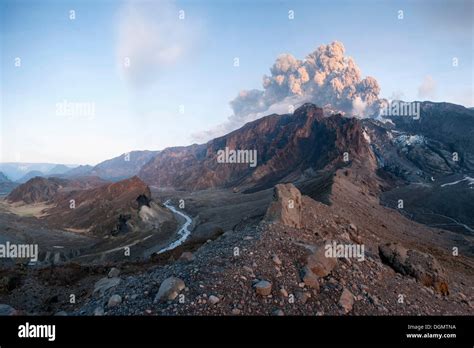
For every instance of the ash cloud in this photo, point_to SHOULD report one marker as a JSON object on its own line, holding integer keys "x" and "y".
{"x": 326, "y": 77}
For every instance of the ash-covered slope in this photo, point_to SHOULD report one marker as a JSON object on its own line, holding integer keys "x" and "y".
{"x": 41, "y": 189}
{"x": 438, "y": 142}
{"x": 286, "y": 146}
{"x": 449, "y": 127}
{"x": 427, "y": 163}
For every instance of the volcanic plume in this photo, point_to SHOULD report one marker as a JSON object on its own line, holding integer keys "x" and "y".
{"x": 326, "y": 77}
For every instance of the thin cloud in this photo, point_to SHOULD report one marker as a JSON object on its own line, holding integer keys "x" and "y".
{"x": 427, "y": 89}
{"x": 151, "y": 38}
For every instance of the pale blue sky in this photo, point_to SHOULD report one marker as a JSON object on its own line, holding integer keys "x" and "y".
{"x": 80, "y": 61}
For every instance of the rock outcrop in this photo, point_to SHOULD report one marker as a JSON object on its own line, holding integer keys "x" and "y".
{"x": 169, "y": 289}
{"x": 286, "y": 207}
{"x": 423, "y": 267}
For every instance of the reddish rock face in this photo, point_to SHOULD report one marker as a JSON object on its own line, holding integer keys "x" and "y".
{"x": 90, "y": 205}
{"x": 286, "y": 145}
{"x": 106, "y": 209}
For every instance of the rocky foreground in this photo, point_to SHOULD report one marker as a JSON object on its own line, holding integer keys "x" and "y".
{"x": 279, "y": 266}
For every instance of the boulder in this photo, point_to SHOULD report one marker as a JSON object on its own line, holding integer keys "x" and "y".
{"x": 423, "y": 267}
{"x": 213, "y": 299}
{"x": 319, "y": 263}
{"x": 310, "y": 279}
{"x": 169, "y": 289}
{"x": 187, "y": 256}
{"x": 286, "y": 206}
{"x": 346, "y": 301}
{"x": 99, "y": 311}
{"x": 114, "y": 301}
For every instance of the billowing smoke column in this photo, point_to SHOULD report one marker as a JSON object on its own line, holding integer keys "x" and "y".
{"x": 326, "y": 78}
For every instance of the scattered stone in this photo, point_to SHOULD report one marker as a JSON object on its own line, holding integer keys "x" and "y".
{"x": 169, "y": 289}
{"x": 276, "y": 260}
{"x": 236, "y": 311}
{"x": 213, "y": 299}
{"x": 374, "y": 299}
{"x": 345, "y": 236}
{"x": 283, "y": 292}
{"x": 263, "y": 288}
{"x": 6, "y": 310}
{"x": 310, "y": 279}
{"x": 248, "y": 269}
{"x": 114, "y": 301}
{"x": 346, "y": 301}
{"x": 278, "y": 313}
{"x": 318, "y": 263}
{"x": 113, "y": 273}
{"x": 303, "y": 296}
{"x": 105, "y": 284}
{"x": 187, "y": 256}
{"x": 99, "y": 311}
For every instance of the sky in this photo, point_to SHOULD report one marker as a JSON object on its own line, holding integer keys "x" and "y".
{"x": 115, "y": 76}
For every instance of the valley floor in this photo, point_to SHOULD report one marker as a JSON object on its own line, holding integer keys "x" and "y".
{"x": 220, "y": 269}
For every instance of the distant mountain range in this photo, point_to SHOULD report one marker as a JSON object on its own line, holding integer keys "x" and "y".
{"x": 22, "y": 172}
{"x": 299, "y": 147}
{"x": 6, "y": 185}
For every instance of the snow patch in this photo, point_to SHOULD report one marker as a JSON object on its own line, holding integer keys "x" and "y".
{"x": 410, "y": 140}
{"x": 366, "y": 137}
{"x": 470, "y": 181}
